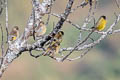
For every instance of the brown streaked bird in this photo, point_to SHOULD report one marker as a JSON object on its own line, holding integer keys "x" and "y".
{"x": 54, "y": 45}
{"x": 58, "y": 36}
{"x": 53, "y": 48}
{"x": 14, "y": 34}
{"x": 40, "y": 30}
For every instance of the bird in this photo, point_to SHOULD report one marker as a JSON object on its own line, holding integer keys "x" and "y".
{"x": 39, "y": 31}
{"x": 101, "y": 23}
{"x": 52, "y": 48}
{"x": 58, "y": 36}
{"x": 14, "y": 34}
{"x": 86, "y": 2}
{"x": 54, "y": 45}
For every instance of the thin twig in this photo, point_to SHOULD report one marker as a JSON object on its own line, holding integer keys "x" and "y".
{"x": 34, "y": 25}
{"x": 35, "y": 56}
{"x": 2, "y": 43}
{"x": 77, "y": 46}
{"x": 1, "y": 7}
{"x": 72, "y": 10}
{"x": 116, "y": 31}
{"x": 80, "y": 37}
{"x": 2, "y": 46}
{"x": 86, "y": 22}
{"x": 81, "y": 55}
{"x": 117, "y": 3}
{"x": 77, "y": 26}
{"x": 48, "y": 19}
{"x": 96, "y": 2}
{"x": 6, "y": 4}
{"x": 69, "y": 59}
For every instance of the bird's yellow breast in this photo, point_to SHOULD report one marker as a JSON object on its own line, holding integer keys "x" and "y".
{"x": 101, "y": 24}
{"x": 14, "y": 38}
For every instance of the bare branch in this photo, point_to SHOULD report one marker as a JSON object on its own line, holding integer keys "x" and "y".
{"x": 1, "y": 7}
{"x": 6, "y": 4}
{"x": 2, "y": 43}
{"x": 117, "y": 3}
{"x": 77, "y": 46}
{"x": 116, "y": 31}
{"x": 81, "y": 55}
{"x": 50, "y": 9}
{"x": 35, "y": 56}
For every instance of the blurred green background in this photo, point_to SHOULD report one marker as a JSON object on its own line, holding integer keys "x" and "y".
{"x": 102, "y": 62}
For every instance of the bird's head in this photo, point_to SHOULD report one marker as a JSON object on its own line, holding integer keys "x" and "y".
{"x": 104, "y": 17}
{"x": 42, "y": 23}
{"x": 16, "y": 28}
{"x": 61, "y": 33}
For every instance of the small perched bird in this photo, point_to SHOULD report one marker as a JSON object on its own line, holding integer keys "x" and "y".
{"x": 54, "y": 45}
{"x": 101, "y": 24}
{"x": 14, "y": 34}
{"x": 40, "y": 30}
{"x": 52, "y": 48}
{"x": 85, "y": 2}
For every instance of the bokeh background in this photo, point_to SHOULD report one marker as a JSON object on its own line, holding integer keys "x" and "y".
{"x": 101, "y": 63}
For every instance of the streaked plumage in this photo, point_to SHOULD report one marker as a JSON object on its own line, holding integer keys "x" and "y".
{"x": 14, "y": 34}
{"x": 54, "y": 45}
{"x": 40, "y": 30}
{"x": 52, "y": 48}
